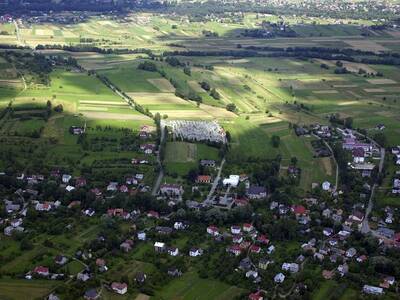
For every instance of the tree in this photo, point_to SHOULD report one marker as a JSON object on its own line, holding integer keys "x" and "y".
{"x": 205, "y": 85}
{"x": 215, "y": 94}
{"x": 348, "y": 122}
{"x": 231, "y": 107}
{"x": 147, "y": 66}
{"x": 381, "y": 139}
{"x": 275, "y": 140}
{"x": 187, "y": 71}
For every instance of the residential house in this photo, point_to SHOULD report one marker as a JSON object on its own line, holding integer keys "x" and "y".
{"x": 66, "y": 178}
{"x": 153, "y": 214}
{"x": 235, "y": 249}
{"x": 251, "y": 274}
{"x": 203, "y": 179}
{"x": 350, "y": 253}
{"x": 256, "y": 296}
{"x": 235, "y": 229}
{"x": 232, "y": 181}
{"x": 247, "y": 227}
{"x": 174, "y": 190}
{"x": 41, "y": 271}
{"x": 213, "y": 230}
{"x": 180, "y": 226}
{"x": 372, "y": 290}
{"x": 174, "y": 272}
{"x": 46, "y": 206}
{"x": 237, "y": 238}
{"x": 141, "y": 235}
{"x": 91, "y": 294}
{"x": 159, "y": 247}
{"x": 60, "y": 260}
{"x": 358, "y": 155}
{"x": 126, "y": 246}
{"x": 279, "y": 278}
{"x": 194, "y": 252}
{"x": 262, "y": 239}
{"x": 256, "y": 192}
{"x": 255, "y": 249}
{"x": 263, "y": 263}
{"x": 173, "y": 251}
{"x": 207, "y": 163}
{"x": 112, "y": 187}
{"x": 140, "y": 277}
{"x": 164, "y": 230}
{"x": 291, "y": 267}
{"x": 119, "y": 288}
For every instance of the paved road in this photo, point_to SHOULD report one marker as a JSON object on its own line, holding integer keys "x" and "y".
{"x": 157, "y": 184}
{"x": 216, "y": 180}
{"x": 365, "y": 224}
{"x": 162, "y": 137}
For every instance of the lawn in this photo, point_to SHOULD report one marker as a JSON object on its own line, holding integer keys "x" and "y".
{"x": 190, "y": 286}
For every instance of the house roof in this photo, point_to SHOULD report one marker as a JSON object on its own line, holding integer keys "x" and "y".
{"x": 118, "y": 286}
{"x": 256, "y": 190}
{"x": 299, "y": 209}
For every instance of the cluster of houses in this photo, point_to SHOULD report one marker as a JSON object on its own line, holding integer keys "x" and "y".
{"x": 27, "y": 198}
{"x": 396, "y": 179}
{"x": 197, "y": 131}
{"x": 361, "y": 152}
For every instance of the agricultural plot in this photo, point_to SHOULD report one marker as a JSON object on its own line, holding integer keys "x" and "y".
{"x": 180, "y": 157}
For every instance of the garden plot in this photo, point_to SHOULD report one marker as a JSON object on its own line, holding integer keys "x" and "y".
{"x": 114, "y": 116}
{"x": 326, "y": 92}
{"x": 162, "y": 84}
{"x": 381, "y": 81}
{"x": 375, "y": 90}
{"x": 366, "y": 45}
{"x": 157, "y": 99}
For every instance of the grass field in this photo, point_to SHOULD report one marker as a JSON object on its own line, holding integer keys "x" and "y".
{"x": 180, "y": 157}
{"x": 190, "y": 286}
{"x": 11, "y": 289}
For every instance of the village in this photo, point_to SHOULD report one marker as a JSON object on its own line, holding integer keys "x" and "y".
{"x": 324, "y": 228}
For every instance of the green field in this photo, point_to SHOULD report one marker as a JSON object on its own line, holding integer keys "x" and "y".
{"x": 180, "y": 157}
{"x": 19, "y": 289}
{"x": 190, "y": 286}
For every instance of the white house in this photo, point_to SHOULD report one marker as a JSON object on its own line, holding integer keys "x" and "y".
{"x": 173, "y": 251}
{"x": 279, "y": 278}
{"x": 291, "y": 267}
{"x": 372, "y": 290}
{"x": 326, "y": 185}
{"x": 233, "y": 180}
{"x": 66, "y": 178}
{"x": 141, "y": 236}
{"x": 194, "y": 252}
{"x": 159, "y": 246}
{"x": 235, "y": 229}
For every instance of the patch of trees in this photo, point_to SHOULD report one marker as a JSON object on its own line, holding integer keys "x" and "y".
{"x": 174, "y": 62}
{"x": 147, "y": 66}
{"x": 231, "y": 107}
{"x": 88, "y": 48}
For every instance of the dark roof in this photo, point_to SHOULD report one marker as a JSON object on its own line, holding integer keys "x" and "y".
{"x": 255, "y": 190}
